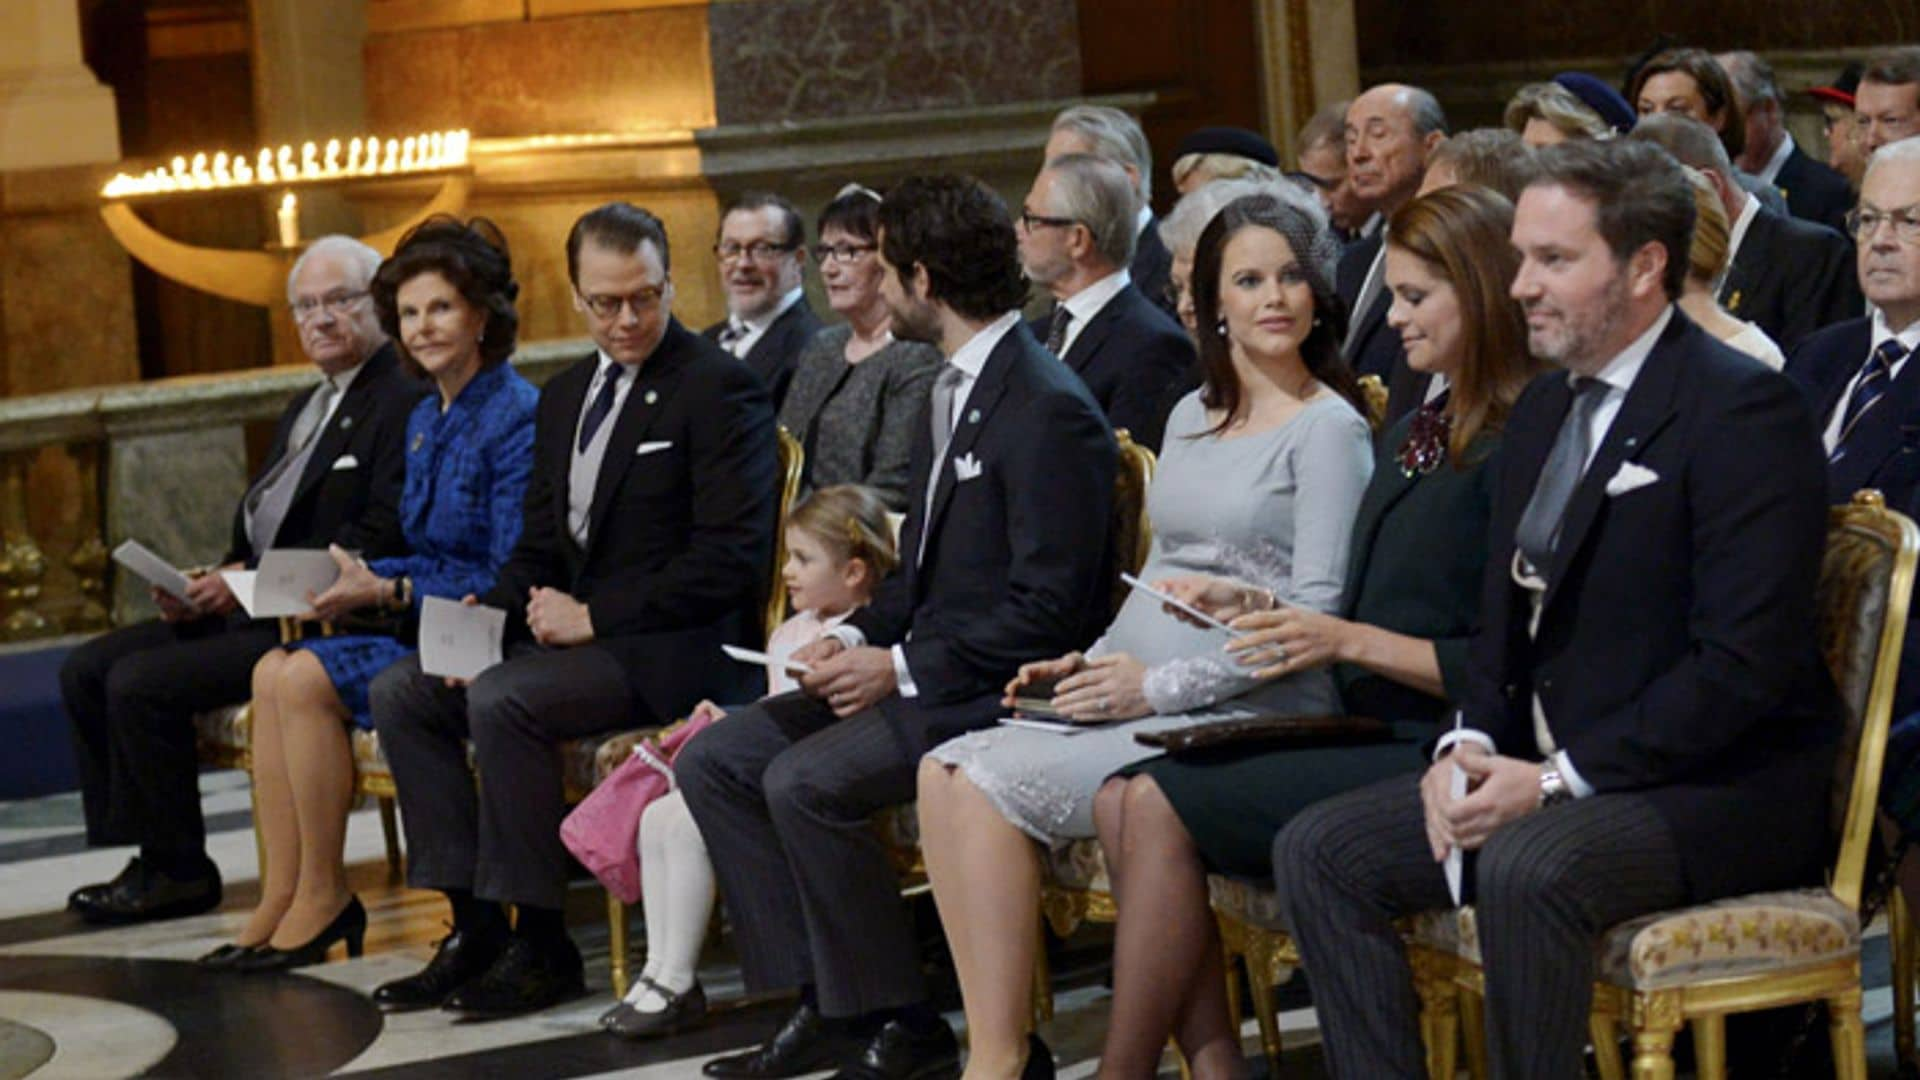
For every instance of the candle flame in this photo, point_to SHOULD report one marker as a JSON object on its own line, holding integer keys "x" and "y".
{"x": 364, "y": 155}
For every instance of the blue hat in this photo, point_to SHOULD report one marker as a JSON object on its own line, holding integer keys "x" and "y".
{"x": 1599, "y": 97}
{"x": 1228, "y": 140}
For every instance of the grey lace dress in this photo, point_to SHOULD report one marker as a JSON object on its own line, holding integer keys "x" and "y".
{"x": 1275, "y": 508}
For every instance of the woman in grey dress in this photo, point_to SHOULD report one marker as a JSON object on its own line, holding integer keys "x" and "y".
{"x": 1262, "y": 471}
{"x": 856, "y": 392}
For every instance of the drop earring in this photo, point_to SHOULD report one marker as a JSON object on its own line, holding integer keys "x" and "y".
{"x": 1221, "y": 328}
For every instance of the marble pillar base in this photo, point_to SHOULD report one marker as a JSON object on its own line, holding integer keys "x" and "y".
{"x": 174, "y": 492}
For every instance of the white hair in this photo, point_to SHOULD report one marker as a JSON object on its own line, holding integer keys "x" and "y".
{"x": 1905, "y": 151}
{"x": 1180, "y": 230}
{"x": 364, "y": 260}
{"x": 1116, "y": 136}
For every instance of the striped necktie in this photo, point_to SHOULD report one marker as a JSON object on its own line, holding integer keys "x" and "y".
{"x": 1875, "y": 377}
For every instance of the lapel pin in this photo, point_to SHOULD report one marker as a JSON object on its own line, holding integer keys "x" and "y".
{"x": 973, "y": 416}
{"x": 1631, "y": 441}
{"x": 419, "y": 437}
{"x": 346, "y": 423}
{"x": 652, "y": 396}
{"x": 1733, "y": 301}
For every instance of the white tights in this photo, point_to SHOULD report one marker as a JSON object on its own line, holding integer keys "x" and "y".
{"x": 676, "y": 894}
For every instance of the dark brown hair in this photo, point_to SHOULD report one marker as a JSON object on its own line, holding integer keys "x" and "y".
{"x": 959, "y": 230}
{"x": 1462, "y": 232}
{"x": 1320, "y": 351}
{"x": 472, "y": 257}
{"x": 1641, "y": 196}
{"x": 1716, "y": 90}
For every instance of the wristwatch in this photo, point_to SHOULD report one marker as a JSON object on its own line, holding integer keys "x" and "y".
{"x": 1553, "y": 787}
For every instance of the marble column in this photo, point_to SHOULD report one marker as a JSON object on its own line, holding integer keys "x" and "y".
{"x": 1309, "y": 58}
{"x": 52, "y": 110}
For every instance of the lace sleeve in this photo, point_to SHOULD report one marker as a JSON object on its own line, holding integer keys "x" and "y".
{"x": 1194, "y": 682}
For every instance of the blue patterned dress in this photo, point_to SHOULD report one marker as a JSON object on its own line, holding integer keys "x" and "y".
{"x": 467, "y": 470}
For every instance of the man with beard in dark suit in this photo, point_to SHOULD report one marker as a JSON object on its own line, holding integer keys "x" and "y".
{"x": 762, "y": 252}
{"x": 1111, "y": 134}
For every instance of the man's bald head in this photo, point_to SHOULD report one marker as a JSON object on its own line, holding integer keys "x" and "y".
{"x": 1390, "y": 130}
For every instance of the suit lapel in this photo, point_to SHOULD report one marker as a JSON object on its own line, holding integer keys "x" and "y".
{"x": 1879, "y": 433}
{"x": 1086, "y": 345}
{"x": 1744, "y": 274}
{"x": 975, "y": 412}
{"x": 1648, "y": 407}
{"x": 355, "y": 406}
{"x": 652, "y": 389}
{"x": 1390, "y": 484}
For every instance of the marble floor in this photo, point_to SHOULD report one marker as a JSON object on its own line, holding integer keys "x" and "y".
{"x": 84, "y": 1002}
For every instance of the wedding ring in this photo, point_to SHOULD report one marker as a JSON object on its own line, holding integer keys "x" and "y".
{"x": 1106, "y": 704}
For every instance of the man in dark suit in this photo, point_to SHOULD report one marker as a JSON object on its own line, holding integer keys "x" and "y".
{"x": 1076, "y": 235}
{"x": 1786, "y": 276}
{"x": 1391, "y": 129}
{"x": 1648, "y": 722}
{"x": 645, "y": 545}
{"x": 1858, "y": 374}
{"x": 762, "y": 252}
{"x": 1813, "y": 191}
{"x": 333, "y": 475}
{"x": 1004, "y": 560}
{"x": 1109, "y": 133}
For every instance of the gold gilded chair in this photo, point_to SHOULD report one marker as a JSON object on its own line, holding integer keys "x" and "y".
{"x": 1374, "y": 389}
{"x": 1660, "y": 972}
{"x": 601, "y": 754}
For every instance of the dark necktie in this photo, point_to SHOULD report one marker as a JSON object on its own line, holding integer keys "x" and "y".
{"x": 601, "y": 406}
{"x": 1057, "y": 330}
{"x": 1875, "y": 377}
{"x": 1540, "y": 524}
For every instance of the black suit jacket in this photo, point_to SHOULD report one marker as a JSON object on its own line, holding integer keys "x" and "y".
{"x": 1792, "y": 277}
{"x": 1152, "y": 269}
{"x": 1814, "y": 191}
{"x": 349, "y": 493}
{"x": 1376, "y": 347}
{"x": 1675, "y": 655}
{"x": 777, "y": 353}
{"x": 679, "y": 539}
{"x": 1883, "y": 452}
{"x": 1017, "y": 564}
{"x": 1134, "y": 359}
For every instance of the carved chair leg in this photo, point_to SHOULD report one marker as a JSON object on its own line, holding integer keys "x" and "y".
{"x": 1848, "y": 1034}
{"x": 1473, "y": 1031}
{"x": 1901, "y": 935}
{"x": 617, "y": 944}
{"x": 390, "y": 828}
{"x": 1655, "y": 1019}
{"x": 1710, "y": 1047}
{"x": 1232, "y": 964}
{"x": 1604, "y": 1028}
{"x": 1042, "y": 981}
{"x": 1265, "y": 1013}
{"x": 1439, "y": 1011}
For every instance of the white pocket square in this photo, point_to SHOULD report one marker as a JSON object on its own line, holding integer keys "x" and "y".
{"x": 1630, "y": 477}
{"x": 650, "y": 447}
{"x": 345, "y": 461}
{"x": 966, "y": 467}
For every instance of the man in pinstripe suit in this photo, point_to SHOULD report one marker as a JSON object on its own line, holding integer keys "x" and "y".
{"x": 1648, "y": 723}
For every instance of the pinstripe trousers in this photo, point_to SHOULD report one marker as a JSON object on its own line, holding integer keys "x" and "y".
{"x": 783, "y": 793}
{"x": 1545, "y": 887}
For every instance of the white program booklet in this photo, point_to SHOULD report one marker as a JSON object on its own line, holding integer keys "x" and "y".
{"x": 1455, "y": 860}
{"x": 458, "y": 641}
{"x": 281, "y": 584}
{"x": 753, "y": 656}
{"x": 152, "y": 569}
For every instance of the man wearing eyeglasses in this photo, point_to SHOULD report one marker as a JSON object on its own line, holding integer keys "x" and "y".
{"x": 762, "y": 251}
{"x": 1859, "y": 374}
{"x": 645, "y": 544}
{"x": 333, "y": 476}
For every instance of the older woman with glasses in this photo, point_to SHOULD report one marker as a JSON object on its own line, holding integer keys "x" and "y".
{"x": 857, "y": 392}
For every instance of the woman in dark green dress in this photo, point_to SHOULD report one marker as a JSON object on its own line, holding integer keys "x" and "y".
{"x": 1397, "y": 648}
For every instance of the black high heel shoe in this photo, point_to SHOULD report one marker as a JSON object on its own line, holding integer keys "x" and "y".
{"x": 349, "y": 926}
{"x": 226, "y": 956}
{"x": 1039, "y": 1060}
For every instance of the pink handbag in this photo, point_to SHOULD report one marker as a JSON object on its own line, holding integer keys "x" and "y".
{"x": 602, "y": 832}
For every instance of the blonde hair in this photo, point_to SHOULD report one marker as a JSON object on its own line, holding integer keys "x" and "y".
{"x": 1222, "y": 167}
{"x": 1707, "y": 255}
{"x": 850, "y": 522}
{"x": 1558, "y": 106}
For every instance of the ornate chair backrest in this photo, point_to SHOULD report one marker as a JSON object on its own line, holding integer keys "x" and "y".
{"x": 1374, "y": 389}
{"x": 1866, "y": 578}
{"x": 792, "y": 463}
{"x": 1132, "y": 532}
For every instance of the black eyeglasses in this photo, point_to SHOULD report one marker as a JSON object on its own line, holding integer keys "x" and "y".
{"x": 840, "y": 253}
{"x": 759, "y": 251}
{"x": 1864, "y": 222}
{"x": 608, "y": 307}
{"x": 1031, "y": 221}
{"x": 1310, "y": 182}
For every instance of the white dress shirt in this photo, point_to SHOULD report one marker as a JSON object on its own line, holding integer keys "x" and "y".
{"x": 1735, "y": 234}
{"x": 1088, "y": 302}
{"x": 752, "y": 330}
{"x": 1910, "y": 337}
{"x": 1619, "y": 375}
{"x": 584, "y": 473}
{"x": 970, "y": 359}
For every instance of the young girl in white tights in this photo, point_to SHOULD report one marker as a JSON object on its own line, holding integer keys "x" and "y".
{"x": 839, "y": 546}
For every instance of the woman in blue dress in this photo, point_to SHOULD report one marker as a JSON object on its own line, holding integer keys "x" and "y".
{"x": 447, "y": 297}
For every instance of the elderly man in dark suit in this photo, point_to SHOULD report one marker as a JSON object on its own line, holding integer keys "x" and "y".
{"x": 1814, "y": 192}
{"x": 332, "y": 476}
{"x": 762, "y": 251}
{"x": 1786, "y": 276}
{"x": 645, "y": 543}
{"x": 1648, "y": 721}
{"x": 1391, "y": 130}
{"x": 1004, "y": 560}
{"x": 1859, "y": 375}
{"x": 1076, "y": 235}
{"x": 1112, "y": 134}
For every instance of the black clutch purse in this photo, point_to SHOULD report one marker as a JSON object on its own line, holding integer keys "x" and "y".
{"x": 1268, "y": 732}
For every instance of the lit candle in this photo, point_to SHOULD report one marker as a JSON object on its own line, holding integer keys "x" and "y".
{"x": 221, "y": 174}
{"x": 333, "y": 156}
{"x": 265, "y": 168}
{"x": 179, "y": 167}
{"x": 393, "y": 156}
{"x": 289, "y": 221}
{"x": 288, "y": 170}
{"x": 309, "y": 160}
{"x": 242, "y": 172}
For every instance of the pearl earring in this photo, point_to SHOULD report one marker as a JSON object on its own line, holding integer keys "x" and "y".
{"x": 1221, "y": 328}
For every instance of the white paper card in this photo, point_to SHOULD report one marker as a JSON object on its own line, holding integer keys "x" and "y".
{"x": 1178, "y": 605}
{"x": 240, "y": 584}
{"x": 1056, "y": 727}
{"x": 457, "y": 641}
{"x": 140, "y": 559}
{"x": 750, "y": 656}
{"x": 283, "y": 580}
{"x": 1455, "y": 860}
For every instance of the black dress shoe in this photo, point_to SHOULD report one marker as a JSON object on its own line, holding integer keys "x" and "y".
{"x": 897, "y": 1052}
{"x": 89, "y": 897}
{"x": 349, "y": 926}
{"x": 462, "y": 957}
{"x": 526, "y": 978}
{"x": 683, "y": 1011}
{"x": 226, "y": 956}
{"x": 1039, "y": 1064}
{"x": 147, "y": 894}
{"x": 806, "y": 1043}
